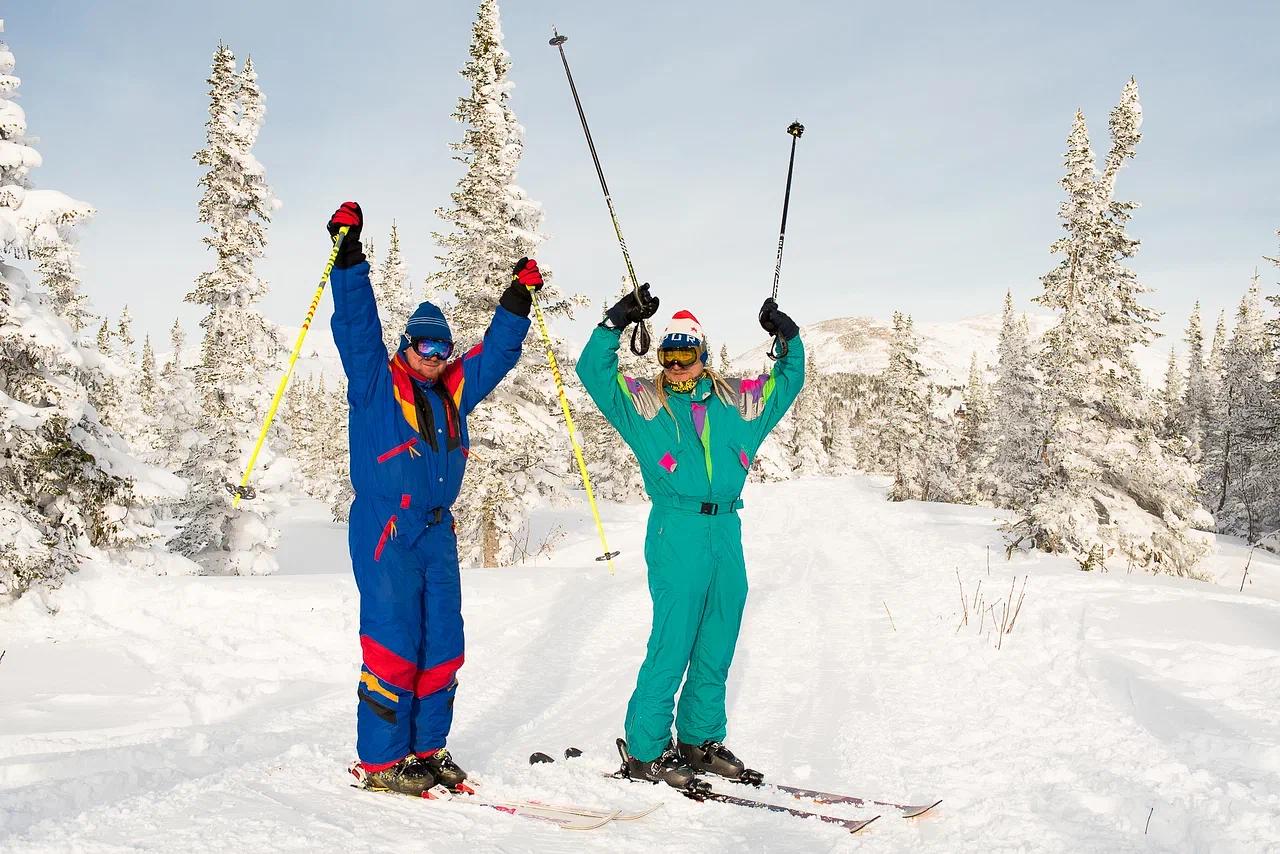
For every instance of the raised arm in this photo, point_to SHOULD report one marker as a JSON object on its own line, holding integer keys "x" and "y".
{"x": 484, "y": 365}
{"x": 787, "y": 377}
{"x": 356, "y": 328}
{"x": 598, "y": 364}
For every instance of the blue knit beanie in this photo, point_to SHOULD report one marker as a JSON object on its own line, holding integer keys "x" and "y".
{"x": 427, "y": 321}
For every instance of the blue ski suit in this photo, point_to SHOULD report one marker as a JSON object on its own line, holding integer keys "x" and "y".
{"x": 408, "y": 444}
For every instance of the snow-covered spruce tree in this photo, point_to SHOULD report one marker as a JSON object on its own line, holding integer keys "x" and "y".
{"x": 902, "y": 427}
{"x": 1271, "y": 472}
{"x": 1237, "y": 483}
{"x": 804, "y": 433}
{"x": 974, "y": 445}
{"x": 941, "y": 468}
{"x": 180, "y": 411}
{"x": 725, "y": 364}
{"x": 59, "y": 272}
{"x": 1197, "y": 401}
{"x": 1173, "y": 392}
{"x": 239, "y": 354}
{"x": 68, "y": 485}
{"x": 1107, "y": 483}
{"x": 517, "y": 448}
{"x": 393, "y": 293}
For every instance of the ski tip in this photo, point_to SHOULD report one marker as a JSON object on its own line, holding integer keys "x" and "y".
{"x": 916, "y": 812}
{"x": 572, "y": 753}
{"x": 540, "y": 759}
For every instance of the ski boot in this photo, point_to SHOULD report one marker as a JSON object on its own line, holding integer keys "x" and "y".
{"x": 712, "y": 757}
{"x": 409, "y": 776}
{"x": 442, "y": 767}
{"x": 668, "y": 768}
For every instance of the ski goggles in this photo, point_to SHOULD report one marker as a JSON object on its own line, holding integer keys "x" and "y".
{"x": 683, "y": 357}
{"x": 432, "y": 348}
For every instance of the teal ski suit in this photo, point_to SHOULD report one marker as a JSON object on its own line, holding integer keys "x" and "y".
{"x": 694, "y": 466}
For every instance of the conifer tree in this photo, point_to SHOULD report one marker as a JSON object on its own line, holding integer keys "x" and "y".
{"x": 1107, "y": 482}
{"x": 493, "y": 224}
{"x": 1237, "y": 486}
{"x": 973, "y": 447}
{"x": 69, "y": 486}
{"x": 148, "y": 387}
{"x": 180, "y": 411}
{"x": 1197, "y": 402}
{"x": 1017, "y": 437}
{"x": 725, "y": 364}
{"x": 1172, "y": 394}
{"x": 394, "y": 296}
{"x": 805, "y": 432}
{"x": 905, "y": 410}
{"x": 239, "y": 352}
{"x": 59, "y": 271}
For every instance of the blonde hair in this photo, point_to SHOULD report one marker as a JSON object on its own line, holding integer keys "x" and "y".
{"x": 721, "y": 386}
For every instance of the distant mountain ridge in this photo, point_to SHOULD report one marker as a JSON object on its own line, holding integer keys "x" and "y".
{"x": 860, "y": 345}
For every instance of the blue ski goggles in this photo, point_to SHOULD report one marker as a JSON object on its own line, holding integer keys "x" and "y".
{"x": 432, "y": 348}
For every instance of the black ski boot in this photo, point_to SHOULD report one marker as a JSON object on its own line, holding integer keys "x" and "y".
{"x": 668, "y": 768}
{"x": 441, "y": 766}
{"x": 409, "y": 776}
{"x": 712, "y": 757}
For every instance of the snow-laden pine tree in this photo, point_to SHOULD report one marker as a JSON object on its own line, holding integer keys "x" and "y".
{"x": 59, "y": 272}
{"x": 69, "y": 486}
{"x": 1107, "y": 482}
{"x": 240, "y": 354}
{"x": 803, "y": 435}
{"x": 902, "y": 428}
{"x": 1173, "y": 392}
{"x": 725, "y": 364}
{"x": 1271, "y": 508}
{"x": 1197, "y": 401}
{"x": 180, "y": 411}
{"x": 1017, "y": 414}
{"x": 974, "y": 445}
{"x": 1237, "y": 485}
{"x": 392, "y": 291}
{"x": 519, "y": 453}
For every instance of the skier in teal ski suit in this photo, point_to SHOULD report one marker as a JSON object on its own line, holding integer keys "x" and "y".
{"x": 695, "y": 435}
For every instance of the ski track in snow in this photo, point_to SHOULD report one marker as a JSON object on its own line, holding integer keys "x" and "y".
{"x": 216, "y": 714}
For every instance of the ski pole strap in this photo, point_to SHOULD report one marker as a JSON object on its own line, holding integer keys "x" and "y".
{"x": 696, "y": 506}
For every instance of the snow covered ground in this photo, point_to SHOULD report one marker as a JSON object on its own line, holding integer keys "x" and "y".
{"x": 1122, "y": 713}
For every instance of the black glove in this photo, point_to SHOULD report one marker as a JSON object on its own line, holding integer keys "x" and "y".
{"x": 351, "y": 252}
{"x": 776, "y": 323}
{"x": 628, "y": 310}
{"x": 517, "y": 299}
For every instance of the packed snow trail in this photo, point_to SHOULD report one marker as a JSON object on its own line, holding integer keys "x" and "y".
{"x": 214, "y": 714}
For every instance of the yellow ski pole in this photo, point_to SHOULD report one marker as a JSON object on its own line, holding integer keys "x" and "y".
{"x": 244, "y": 490}
{"x": 608, "y": 556}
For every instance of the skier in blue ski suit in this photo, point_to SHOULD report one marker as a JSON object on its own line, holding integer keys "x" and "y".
{"x": 409, "y": 447}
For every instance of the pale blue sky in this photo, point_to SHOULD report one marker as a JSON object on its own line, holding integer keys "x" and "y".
{"x": 926, "y": 180}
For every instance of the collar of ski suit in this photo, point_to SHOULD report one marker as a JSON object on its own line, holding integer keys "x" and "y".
{"x": 403, "y": 379}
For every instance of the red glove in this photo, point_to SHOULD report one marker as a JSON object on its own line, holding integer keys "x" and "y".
{"x": 526, "y": 273}
{"x": 349, "y": 215}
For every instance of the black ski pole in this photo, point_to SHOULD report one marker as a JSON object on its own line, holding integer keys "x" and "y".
{"x": 639, "y": 345}
{"x": 779, "y": 347}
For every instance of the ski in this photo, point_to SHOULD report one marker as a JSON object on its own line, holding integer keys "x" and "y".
{"x": 853, "y": 825}
{"x": 704, "y": 793}
{"x": 565, "y": 817}
{"x": 820, "y": 797}
{"x": 615, "y": 815}
{"x": 817, "y": 796}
